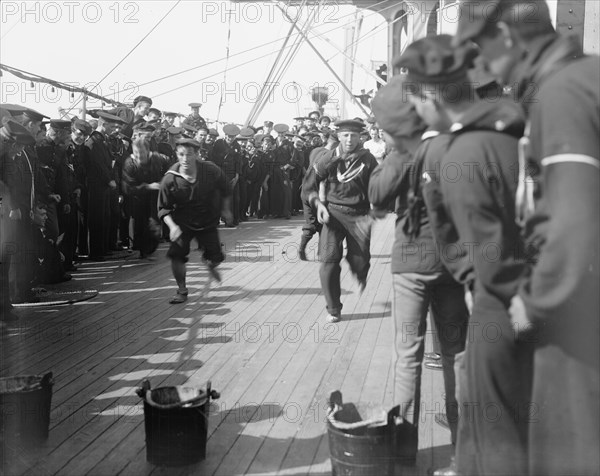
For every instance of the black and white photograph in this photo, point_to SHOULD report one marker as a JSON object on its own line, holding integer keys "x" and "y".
{"x": 300, "y": 238}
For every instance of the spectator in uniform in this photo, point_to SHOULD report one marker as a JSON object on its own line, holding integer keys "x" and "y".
{"x": 169, "y": 119}
{"x": 227, "y": 155}
{"x": 98, "y": 163}
{"x": 481, "y": 205}
{"x": 77, "y": 184}
{"x": 142, "y": 173}
{"x": 195, "y": 119}
{"x": 421, "y": 283}
{"x": 557, "y": 304}
{"x": 16, "y": 190}
{"x": 254, "y": 176}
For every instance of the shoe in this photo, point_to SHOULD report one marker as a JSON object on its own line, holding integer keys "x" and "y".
{"x": 432, "y": 356}
{"x": 362, "y": 284}
{"x": 442, "y": 420}
{"x": 71, "y": 268}
{"x": 66, "y": 277}
{"x": 434, "y": 365}
{"x": 180, "y": 296}
{"x": 302, "y": 254}
{"x": 96, "y": 258}
{"x": 212, "y": 269}
{"x": 450, "y": 470}
{"x": 333, "y": 318}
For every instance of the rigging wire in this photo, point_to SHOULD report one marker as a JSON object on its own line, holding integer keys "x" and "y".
{"x": 269, "y": 43}
{"x": 130, "y": 51}
{"x": 226, "y": 65}
{"x": 271, "y": 71}
{"x": 305, "y": 30}
{"x": 287, "y": 61}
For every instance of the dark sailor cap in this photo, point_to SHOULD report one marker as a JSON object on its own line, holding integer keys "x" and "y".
{"x": 349, "y": 125}
{"x": 154, "y": 110}
{"x": 325, "y": 118}
{"x": 281, "y": 128}
{"x": 299, "y": 118}
{"x": 475, "y": 16}
{"x": 394, "y": 112}
{"x": 268, "y": 123}
{"x": 247, "y": 133}
{"x": 188, "y": 142}
{"x": 433, "y": 60}
{"x": 213, "y": 132}
{"x": 60, "y": 124}
{"x": 169, "y": 113}
{"x": 142, "y": 99}
{"x": 82, "y": 126}
{"x": 175, "y": 130}
{"x": 231, "y": 130}
{"x": 189, "y": 128}
{"x": 12, "y": 131}
{"x": 17, "y": 110}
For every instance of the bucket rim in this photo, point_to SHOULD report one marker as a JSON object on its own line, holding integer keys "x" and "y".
{"x": 45, "y": 382}
{"x": 191, "y": 403}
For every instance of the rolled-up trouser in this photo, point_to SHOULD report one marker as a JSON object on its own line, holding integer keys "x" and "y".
{"x": 414, "y": 295}
{"x": 355, "y": 228}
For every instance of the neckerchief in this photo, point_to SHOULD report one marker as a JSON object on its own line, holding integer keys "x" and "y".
{"x": 350, "y": 166}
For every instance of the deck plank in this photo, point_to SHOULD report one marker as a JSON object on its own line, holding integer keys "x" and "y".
{"x": 260, "y": 337}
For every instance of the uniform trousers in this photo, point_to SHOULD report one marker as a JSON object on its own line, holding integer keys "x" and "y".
{"x": 495, "y": 397}
{"x": 414, "y": 295}
{"x": 68, "y": 227}
{"x": 354, "y": 227}
{"x": 98, "y": 220}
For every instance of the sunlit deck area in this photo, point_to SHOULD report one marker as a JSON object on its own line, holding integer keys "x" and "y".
{"x": 260, "y": 336}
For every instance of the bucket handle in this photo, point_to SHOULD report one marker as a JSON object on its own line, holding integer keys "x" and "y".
{"x": 47, "y": 380}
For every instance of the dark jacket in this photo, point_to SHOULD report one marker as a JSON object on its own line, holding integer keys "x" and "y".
{"x": 391, "y": 181}
{"x": 194, "y": 206}
{"x": 478, "y": 184}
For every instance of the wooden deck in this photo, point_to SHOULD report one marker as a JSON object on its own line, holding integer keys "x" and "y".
{"x": 260, "y": 337}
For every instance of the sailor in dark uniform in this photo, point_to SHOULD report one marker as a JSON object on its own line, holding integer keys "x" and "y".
{"x": 246, "y": 141}
{"x": 558, "y": 303}
{"x": 421, "y": 282}
{"x": 227, "y": 155}
{"x": 98, "y": 160}
{"x": 132, "y": 116}
{"x": 195, "y": 119}
{"x": 28, "y": 191}
{"x": 169, "y": 119}
{"x": 193, "y": 194}
{"x": 153, "y": 114}
{"x": 77, "y": 218}
{"x": 481, "y": 205}
{"x": 298, "y": 123}
{"x": 345, "y": 214}
{"x": 16, "y": 224}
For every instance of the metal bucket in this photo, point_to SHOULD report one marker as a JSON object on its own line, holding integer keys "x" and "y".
{"x": 176, "y": 423}
{"x": 25, "y": 409}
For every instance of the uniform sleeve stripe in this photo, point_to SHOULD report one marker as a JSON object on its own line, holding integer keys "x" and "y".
{"x": 571, "y": 158}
